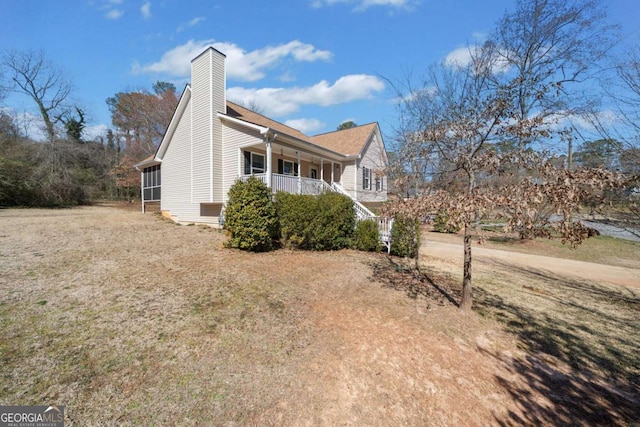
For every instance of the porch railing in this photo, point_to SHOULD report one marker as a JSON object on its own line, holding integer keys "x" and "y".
{"x": 296, "y": 185}
{"x": 361, "y": 210}
{"x": 292, "y": 184}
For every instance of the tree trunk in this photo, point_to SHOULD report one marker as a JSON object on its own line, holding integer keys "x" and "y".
{"x": 416, "y": 245}
{"x": 465, "y": 302}
{"x": 570, "y": 154}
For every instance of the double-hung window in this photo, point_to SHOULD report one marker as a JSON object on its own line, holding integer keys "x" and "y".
{"x": 253, "y": 163}
{"x": 379, "y": 183}
{"x": 366, "y": 178}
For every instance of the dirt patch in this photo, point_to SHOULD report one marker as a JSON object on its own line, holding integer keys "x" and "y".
{"x": 130, "y": 319}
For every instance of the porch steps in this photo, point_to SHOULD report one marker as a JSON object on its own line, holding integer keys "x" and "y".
{"x": 362, "y": 212}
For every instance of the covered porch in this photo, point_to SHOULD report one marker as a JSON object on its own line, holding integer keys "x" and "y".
{"x": 285, "y": 168}
{"x": 291, "y": 184}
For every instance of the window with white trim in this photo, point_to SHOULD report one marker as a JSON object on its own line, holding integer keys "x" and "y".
{"x": 253, "y": 163}
{"x": 286, "y": 167}
{"x": 379, "y": 183}
{"x": 366, "y": 178}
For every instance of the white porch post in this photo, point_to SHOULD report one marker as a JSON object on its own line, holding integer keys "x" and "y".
{"x": 299, "y": 176}
{"x": 322, "y": 169}
{"x": 141, "y": 189}
{"x": 332, "y": 173}
{"x": 268, "y": 162}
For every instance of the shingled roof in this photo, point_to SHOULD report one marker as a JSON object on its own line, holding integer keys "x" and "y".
{"x": 238, "y": 112}
{"x": 348, "y": 141}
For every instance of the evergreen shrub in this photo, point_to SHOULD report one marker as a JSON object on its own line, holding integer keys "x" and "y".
{"x": 250, "y": 216}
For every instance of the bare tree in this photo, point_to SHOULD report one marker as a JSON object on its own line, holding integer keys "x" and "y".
{"x": 3, "y": 87}
{"x": 470, "y": 127}
{"x": 454, "y": 126}
{"x": 142, "y": 117}
{"x": 623, "y": 125}
{"x": 549, "y": 49}
{"x": 33, "y": 75}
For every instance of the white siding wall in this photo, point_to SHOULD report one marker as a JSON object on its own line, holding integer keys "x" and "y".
{"x": 176, "y": 173}
{"x": 372, "y": 158}
{"x": 219, "y": 106}
{"x": 235, "y": 138}
{"x": 176, "y": 179}
{"x": 208, "y": 98}
{"x": 192, "y": 164}
{"x": 202, "y": 124}
{"x": 348, "y": 179}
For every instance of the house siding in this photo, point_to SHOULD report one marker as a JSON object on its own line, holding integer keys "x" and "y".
{"x": 208, "y": 86}
{"x": 219, "y": 103}
{"x": 372, "y": 158}
{"x": 176, "y": 173}
{"x": 201, "y": 133}
{"x": 348, "y": 179}
{"x": 235, "y": 139}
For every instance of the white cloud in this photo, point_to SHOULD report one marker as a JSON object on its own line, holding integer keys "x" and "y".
{"x": 91, "y": 133}
{"x": 287, "y": 77}
{"x": 110, "y": 8}
{"x": 462, "y": 56}
{"x": 114, "y": 14}
{"x": 583, "y": 123}
{"x": 306, "y": 126}
{"x": 195, "y": 21}
{"x": 241, "y": 65}
{"x": 145, "y": 10}
{"x": 283, "y": 101}
{"x": 30, "y": 125}
{"x": 361, "y": 5}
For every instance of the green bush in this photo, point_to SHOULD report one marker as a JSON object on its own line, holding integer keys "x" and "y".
{"x": 323, "y": 222}
{"x": 250, "y": 216}
{"x": 366, "y": 236}
{"x": 405, "y": 237}
{"x": 441, "y": 223}
{"x": 295, "y": 213}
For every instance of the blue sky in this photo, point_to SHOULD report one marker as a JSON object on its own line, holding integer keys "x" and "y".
{"x": 309, "y": 63}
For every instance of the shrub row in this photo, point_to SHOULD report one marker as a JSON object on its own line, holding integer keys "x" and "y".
{"x": 323, "y": 222}
{"x": 256, "y": 222}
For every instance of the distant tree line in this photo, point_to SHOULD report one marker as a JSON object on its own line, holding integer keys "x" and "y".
{"x": 67, "y": 168}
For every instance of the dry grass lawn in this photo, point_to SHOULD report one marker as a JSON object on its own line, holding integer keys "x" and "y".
{"x": 128, "y": 319}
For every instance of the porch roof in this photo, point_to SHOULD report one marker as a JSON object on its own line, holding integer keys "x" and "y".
{"x": 348, "y": 143}
{"x": 149, "y": 161}
{"x": 241, "y": 113}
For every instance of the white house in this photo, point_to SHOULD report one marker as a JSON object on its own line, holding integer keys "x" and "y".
{"x": 211, "y": 142}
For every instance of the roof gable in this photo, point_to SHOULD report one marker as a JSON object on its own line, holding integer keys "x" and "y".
{"x": 350, "y": 142}
{"x": 173, "y": 124}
